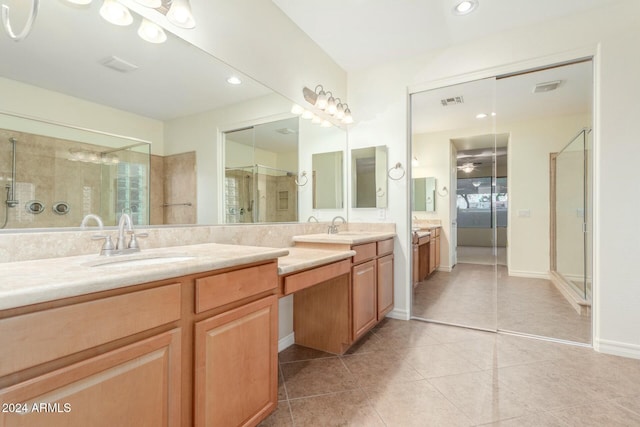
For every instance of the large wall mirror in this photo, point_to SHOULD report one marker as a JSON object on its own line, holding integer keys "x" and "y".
{"x": 328, "y": 180}
{"x": 102, "y": 77}
{"x": 512, "y": 156}
{"x": 369, "y": 177}
{"x": 423, "y": 191}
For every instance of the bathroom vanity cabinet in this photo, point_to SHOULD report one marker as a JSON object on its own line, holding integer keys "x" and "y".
{"x": 333, "y": 314}
{"x": 426, "y": 254}
{"x": 192, "y": 350}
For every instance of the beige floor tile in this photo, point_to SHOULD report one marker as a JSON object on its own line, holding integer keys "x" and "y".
{"x": 297, "y": 353}
{"x": 349, "y": 408}
{"x": 436, "y": 361}
{"x": 631, "y": 403}
{"x": 282, "y": 391}
{"x": 597, "y": 415}
{"x": 541, "y": 419}
{"x": 480, "y": 397}
{"x": 415, "y": 403}
{"x": 368, "y": 343}
{"x": 281, "y": 417}
{"x": 399, "y": 338}
{"x": 318, "y": 376}
{"x": 372, "y": 369}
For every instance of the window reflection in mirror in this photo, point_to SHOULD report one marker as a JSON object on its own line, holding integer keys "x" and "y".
{"x": 328, "y": 180}
{"x": 261, "y": 170}
{"x": 369, "y": 177}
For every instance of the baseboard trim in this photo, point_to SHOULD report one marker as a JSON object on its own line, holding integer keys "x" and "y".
{"x": 618, "y": 348}
{"x": 399, "y": 314}
{"x": 286, "y": 342}
{"x": 446, "y": 269}
{"x": 529, "y": 274}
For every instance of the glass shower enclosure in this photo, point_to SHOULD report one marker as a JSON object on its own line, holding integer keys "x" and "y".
{"x": 571, "y": 218}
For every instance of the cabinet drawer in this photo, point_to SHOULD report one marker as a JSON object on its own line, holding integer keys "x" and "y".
{"x": 35, "y": 338}
{"x": 364, "y": 252}
{"x": 385, "y": 247}
{"x": 220, "y": 289}
{"x": 424, "y": 240}
{"x": 296, "y": 282}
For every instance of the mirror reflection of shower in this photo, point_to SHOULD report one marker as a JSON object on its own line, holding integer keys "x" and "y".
{"x": 10, "y": 200}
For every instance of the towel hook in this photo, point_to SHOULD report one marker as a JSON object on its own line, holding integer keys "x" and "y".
{"x": 397, "y": 166}
{"x": 306, "y": 179}
{"x": 35, "y": 4}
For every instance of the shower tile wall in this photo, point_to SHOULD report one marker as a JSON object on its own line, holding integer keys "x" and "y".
{"x": 45, "y": 173}
{"x": 173, "y": 181}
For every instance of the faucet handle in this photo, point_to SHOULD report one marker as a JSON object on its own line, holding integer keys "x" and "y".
{"x": 133, "y": 243}
{"x": 108, "y": 243}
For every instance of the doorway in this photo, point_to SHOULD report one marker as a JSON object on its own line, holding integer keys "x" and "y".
{"x": 495, "y": 216}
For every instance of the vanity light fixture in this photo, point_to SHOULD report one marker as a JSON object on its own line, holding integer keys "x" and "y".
{"x": 465, "y": 7}
{"x": 151, "y": 32}
{"x": 116, "y": 13}
{"x": 179, "y": 14}
{"x": 233, "y": 80}
{"x": 328, "y": 107}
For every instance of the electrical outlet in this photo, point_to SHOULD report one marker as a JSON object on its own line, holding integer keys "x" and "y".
{"x": 382, "y": 214}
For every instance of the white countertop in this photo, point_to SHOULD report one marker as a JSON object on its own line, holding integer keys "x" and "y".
{"x": 30, "y": 282}
{"x": 345, "y": 237}
{"x": 303, "y": 258}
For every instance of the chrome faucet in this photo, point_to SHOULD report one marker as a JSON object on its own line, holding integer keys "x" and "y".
{"x": 89, "y": 217}
{"x": 121, "y": 247}
{"x": 125, "y": 221}
{"x": 333, "y": 228}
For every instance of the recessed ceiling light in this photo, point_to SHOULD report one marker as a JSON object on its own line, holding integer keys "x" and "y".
{"x": 234, "y": 80}
{"x": 481, "y": 116}
{"x": 465, "y": 7}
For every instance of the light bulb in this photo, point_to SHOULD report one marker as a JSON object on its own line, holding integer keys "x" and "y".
{"x": 339, "y": 111}
{"x": 347, "y": 116}
{"x": 321, "y": 99}
{"x": 331, "y": 106}
{"x": 151, "y": 32}
{"x": 116, "y": 13}
{"x": 180, "y": 14}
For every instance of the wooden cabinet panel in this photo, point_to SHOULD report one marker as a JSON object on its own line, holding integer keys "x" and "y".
{"x": 385, "y": 247}
{"x": 35, "y": 338}
{"x": 432, "y": 255}
{"x": 220, "y": 289}
{"x": 365, "y": 308}
{"x": 236, "y": 365}
{"x": 364, "y": 252}
{"x": 415, "y": 265}
{"x": 385, "y": 285}
{"x": 437, "y": 261}
{"x": 299, "y": 281}
{"x": 137, "y": 385}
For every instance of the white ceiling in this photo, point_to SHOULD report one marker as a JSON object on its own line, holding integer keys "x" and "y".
{"x": 361, "y": 33}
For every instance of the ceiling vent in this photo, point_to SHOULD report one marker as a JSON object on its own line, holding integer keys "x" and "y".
{"x": 547, "y": 86}
{"x": 287, "y": 131}
{"x": 452, "y": 101}
{"x": 119, "y": 64}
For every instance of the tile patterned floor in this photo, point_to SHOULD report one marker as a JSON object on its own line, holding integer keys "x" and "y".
{"x": 423, "y": 374}
{"x": 484, "y": 296}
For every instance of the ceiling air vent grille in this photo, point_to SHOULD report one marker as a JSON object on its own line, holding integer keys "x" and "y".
{"x": 452, "y": 101}
{"x": 547, "y": 86}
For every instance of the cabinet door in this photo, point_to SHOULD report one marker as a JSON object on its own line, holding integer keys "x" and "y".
{"x": 385, "y": 285}
{"x": 365, "y": 309}
{"x": 137, "y": 385}
{"x": 415, "y": 260}
{"x": 437, "y": 263}
{"x": 236, "y": 365}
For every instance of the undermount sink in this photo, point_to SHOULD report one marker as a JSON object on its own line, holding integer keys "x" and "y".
{"x": 140, "y": 260}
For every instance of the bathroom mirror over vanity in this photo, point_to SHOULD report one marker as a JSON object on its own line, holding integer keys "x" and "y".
{"x": 369, "y": 177}
{"x": 423, "y": 194}
{"x": 110, "y": 135}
